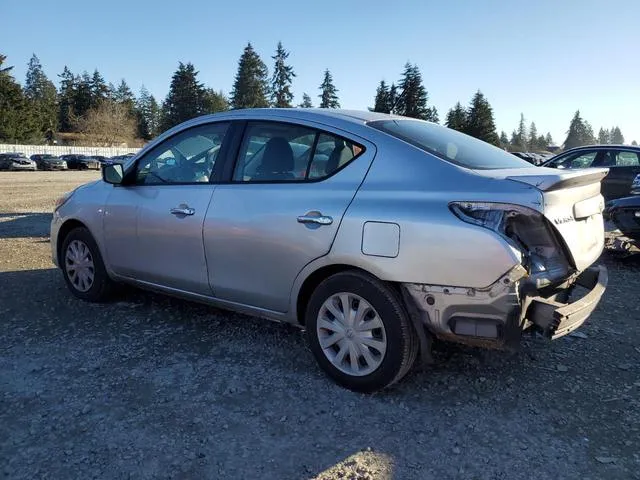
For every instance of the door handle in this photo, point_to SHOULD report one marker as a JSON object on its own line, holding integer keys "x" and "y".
{"x": 316, "y": 219}
{"x": 183, "y": 210}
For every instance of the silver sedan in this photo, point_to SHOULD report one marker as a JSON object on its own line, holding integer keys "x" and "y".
{"x": 375, "y": 233}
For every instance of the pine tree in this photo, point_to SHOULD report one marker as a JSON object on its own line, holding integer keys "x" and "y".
{"x": 480, "y": 123}
{"x": 548, "y": 139}
{"x": 381, "y": 102}
{"x": 533, "y": 137}
{"x": 283, "y": 74}
{"x": 588, "y": 131}
{"x": 579, "y": 133}
{"x": 185, "y": 98}
{"x": 634, "y": 143}
{"x": 603, "y": 136}
{"x": 306, "y": 101}
{"x": 457, "y": 118}
{"x": 17, "y": 120}
{"x": 66, "y": 97}
{"x": 147, "y": 115}
{"x": 99, "y": 89}
{"x": 541, "y": 143}
{"x": 214, "y": 102}
{"x": 83, "y": 98}
{"x": 393, "y": 98}
{"x": 250, "y": 87}
{"x": 616, "y": 136}
{"x": 42, "y": 94}
{"x": 522, "y": 135}
{"x": 124, "y": 96}
{"x": 514, "y": 143}
{"x": 329, "y": 95}
{"x": 504, "y": 140}
{"x": 412, "y": 101}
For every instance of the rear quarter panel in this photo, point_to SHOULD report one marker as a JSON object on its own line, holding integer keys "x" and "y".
{"x": 413, "y": 190}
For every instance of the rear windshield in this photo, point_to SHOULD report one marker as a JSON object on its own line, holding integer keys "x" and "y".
{"x": 450, "y": 145}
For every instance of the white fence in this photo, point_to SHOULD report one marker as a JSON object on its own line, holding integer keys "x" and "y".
{"x": 29, "y": 150}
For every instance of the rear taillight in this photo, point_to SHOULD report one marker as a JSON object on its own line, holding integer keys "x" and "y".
{"x": 523, "y": 228}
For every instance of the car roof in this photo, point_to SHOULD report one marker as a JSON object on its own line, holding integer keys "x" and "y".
{"x": 602, "y": 147}
{"x": 353, "y": 116}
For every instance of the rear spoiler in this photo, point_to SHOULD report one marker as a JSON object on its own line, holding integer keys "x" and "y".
{"x": 560, "y": 179}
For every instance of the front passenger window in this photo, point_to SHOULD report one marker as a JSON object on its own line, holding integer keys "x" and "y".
{"x": 188, "y": 157}
{"x": 577, "y": 160}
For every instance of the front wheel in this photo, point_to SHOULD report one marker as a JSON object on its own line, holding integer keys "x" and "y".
{"x": 359, "y": 332}
{"x": 83, "y": 268}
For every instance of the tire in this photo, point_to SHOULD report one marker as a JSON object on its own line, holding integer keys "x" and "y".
{"x": 398, "y": 334}
{"x": 101, "y": 286}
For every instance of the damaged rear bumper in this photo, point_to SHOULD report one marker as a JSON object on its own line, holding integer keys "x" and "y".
{"x": 496, "y": 316}
{"x": 557, "y": 319}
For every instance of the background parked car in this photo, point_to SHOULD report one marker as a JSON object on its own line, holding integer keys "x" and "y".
{"x": 98, "y": 158}
{"x": 16, "y": 161}
{"x": 531, "y": 157}
{"x": 625, "y": 214}
{"x": 46, "y": 161}
{"x": 623, "y": 162}
{"x": 80, "y": 162}
{"x": 121, "y": 158}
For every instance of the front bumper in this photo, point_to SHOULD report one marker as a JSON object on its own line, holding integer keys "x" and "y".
{"x": 557, "y": 319}
{"x": 56, "y": 223}
{"x": 56, "y": 166}
{"x": 19, "y": 167}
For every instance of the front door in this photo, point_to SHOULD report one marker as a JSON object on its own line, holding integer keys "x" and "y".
{"x": 153, "y": 223}
{"x": 290, "y": 188}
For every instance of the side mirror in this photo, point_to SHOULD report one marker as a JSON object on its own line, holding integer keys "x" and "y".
{"x": 112, "y": 173}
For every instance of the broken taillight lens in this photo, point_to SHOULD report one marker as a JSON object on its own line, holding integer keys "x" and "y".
{"x": 523, "y": 228}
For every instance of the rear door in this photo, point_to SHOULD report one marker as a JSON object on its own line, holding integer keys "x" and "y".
{"x": 287, "y": 193}
{"x": 621, "y": 174}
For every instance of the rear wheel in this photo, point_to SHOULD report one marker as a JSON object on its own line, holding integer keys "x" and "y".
{"x": 359, "y": 332}
{"x": 83, "y": 268}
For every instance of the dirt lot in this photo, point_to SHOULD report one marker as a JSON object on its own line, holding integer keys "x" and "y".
{"x": 151, "y": 387}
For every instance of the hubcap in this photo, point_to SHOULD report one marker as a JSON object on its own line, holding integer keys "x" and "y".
{"x": 351, "y": 334}
{"x": 79, "y": 265}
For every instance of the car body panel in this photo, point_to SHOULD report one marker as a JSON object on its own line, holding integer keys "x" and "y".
{"x": 255, "y": 246}
{"x": 563, "y": 193}
{"x": 152, "y": 244}
{"x": 246, "y": 250}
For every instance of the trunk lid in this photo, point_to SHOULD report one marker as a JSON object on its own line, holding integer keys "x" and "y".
{"x": 572, "y": 203}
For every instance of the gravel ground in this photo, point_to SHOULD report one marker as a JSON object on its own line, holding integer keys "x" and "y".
{"x": 153, "y": 387}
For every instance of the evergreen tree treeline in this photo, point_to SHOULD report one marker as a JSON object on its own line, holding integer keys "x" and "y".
{"x": 35, "y": 111}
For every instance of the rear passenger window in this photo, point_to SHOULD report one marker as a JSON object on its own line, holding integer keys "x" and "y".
{"x": 331, "y": 154}
{"x": 627, "y": 159}
{"x": 281, "y": 152}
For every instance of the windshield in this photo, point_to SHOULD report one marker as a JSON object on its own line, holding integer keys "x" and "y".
{"x": 450, "y": 145}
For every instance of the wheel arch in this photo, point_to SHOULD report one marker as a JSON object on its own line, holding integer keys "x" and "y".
{"x": 64, "y": 230}
{"x": 314, "y": 279}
